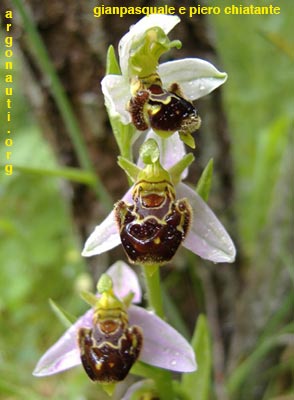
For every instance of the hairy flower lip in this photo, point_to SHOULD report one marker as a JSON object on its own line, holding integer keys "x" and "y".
{"x": 196, "y": 78}
{"x": 163, "y": 346}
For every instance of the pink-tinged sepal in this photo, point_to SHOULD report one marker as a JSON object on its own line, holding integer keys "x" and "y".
{"x": 163, "y": 346}
{"x": 207, "y": 236}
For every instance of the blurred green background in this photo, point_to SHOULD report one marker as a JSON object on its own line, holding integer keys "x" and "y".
{"x": 40, "y": 252}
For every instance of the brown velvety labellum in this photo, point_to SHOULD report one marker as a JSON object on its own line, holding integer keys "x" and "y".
{"x": 149, "y": 239}
{"x": 109, "y": 357}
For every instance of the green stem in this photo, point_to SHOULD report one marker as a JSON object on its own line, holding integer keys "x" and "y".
{"x": 152, "y": 279}
{"x": 163, "y": 378}
{"x": 62, "y": 102}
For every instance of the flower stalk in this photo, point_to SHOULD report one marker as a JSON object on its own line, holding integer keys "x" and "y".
{"x": 153, "y": 291}
{"x": 158, "y": 214}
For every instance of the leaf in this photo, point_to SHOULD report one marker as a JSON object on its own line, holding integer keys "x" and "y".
{"x": 200, "y": 381}
{"x": 271, "y": 145}
{"x": 240, "y": 375}
{"x": 280, "y": 42}
{"x": 64, "y": 317}
{"x": 12, "y": 390}
{"x": 72, "y": 174}
{"x": 204, "y": 184}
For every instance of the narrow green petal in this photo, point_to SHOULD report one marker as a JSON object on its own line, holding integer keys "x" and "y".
{"x": 64, "y": 317}
{"x": 204, "y": 183}
{"x": 130, "y": 168}
{"x": 176, "y": 171}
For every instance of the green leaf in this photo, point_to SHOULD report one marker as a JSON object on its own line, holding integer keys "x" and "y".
{"x": 112, "y": 66}
{"x": 71, "y": 174}
{"x": 12, "y": 390}
{"x": 242, "y": 372}
{"x": 173, "y": 314}
{"x": 161, "y": 377}
{"x": 200, "y": 381}
{"x": 271, "y": 145}
{"x": 64, "y": 317}
{"x": 144, "y": 370}
{"x": 280, "y": 42}
{"x": 204, "y": 184}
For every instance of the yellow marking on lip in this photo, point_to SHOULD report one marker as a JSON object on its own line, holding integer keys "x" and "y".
{"x": 157, "y": 240}
{"x": 98, "y": 366}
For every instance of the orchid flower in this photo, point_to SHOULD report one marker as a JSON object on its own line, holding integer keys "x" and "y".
{"x": 190, "y": 78}
{"x": 206, "y": 236}
{"x": 162, "y": 346}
